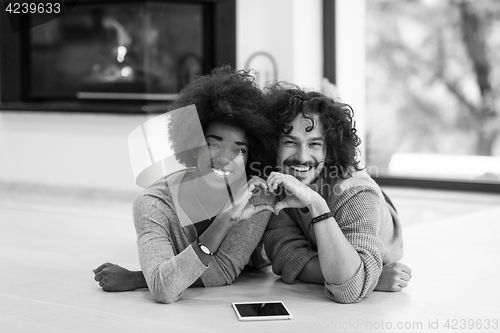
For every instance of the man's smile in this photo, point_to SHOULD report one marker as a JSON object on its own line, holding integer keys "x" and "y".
{"x": 300, "y": 168}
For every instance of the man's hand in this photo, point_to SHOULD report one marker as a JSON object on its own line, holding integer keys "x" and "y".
{"x": 394, "y": 277}
{"x": 297, "y": 194}
{"x": 112, "y": 277}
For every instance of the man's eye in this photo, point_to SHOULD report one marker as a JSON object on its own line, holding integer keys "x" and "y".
{"x": 289, "y": 143}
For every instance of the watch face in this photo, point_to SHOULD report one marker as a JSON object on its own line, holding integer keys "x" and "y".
{"x": 205, "y": 249}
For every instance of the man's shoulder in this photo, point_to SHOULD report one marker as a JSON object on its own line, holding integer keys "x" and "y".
{"x": 359, "y": 178}
{"x": 360, "y": 181}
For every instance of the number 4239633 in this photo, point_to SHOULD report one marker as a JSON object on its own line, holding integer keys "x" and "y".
{"x": 32, "y": 8}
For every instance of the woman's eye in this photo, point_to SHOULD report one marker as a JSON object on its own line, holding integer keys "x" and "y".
{"x": 242, "y": 151}
{"x": 213, "y": 145}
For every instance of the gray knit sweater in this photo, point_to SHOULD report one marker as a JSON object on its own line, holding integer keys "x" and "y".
{"x": 164, "y": 236}
{"x": 366, "y": 220}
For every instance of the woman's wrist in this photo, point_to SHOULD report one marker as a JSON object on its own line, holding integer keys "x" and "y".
{"x": 139, "y": 280}
{"x": 227, "y": 219}
{"x": 204, "y": 258}
{"x": 213, "y": 237}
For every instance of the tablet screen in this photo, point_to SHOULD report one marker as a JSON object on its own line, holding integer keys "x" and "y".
{"x": 267, "y": 309}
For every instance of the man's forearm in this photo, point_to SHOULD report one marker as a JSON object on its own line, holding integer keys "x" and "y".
{"x": 311, "y": 272}
{"x": 338, "y": 260}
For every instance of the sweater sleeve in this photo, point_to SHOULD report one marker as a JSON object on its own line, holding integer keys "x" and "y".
{"x": 237, "y": 247}
{"x": 358, "y": 217}
{"x": 287, "y": 247}
{"x": 167, "y": 272}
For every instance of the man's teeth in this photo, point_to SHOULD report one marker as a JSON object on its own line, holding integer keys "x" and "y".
{"x": 300, "y": 168}
{"x": 221, "y": 173}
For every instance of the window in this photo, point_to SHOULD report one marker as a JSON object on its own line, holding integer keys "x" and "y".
{"x": 432, "y": 83}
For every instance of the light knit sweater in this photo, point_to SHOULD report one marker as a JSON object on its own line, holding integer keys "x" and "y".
{"x": 366, "y": 220}
{"x": 164, "y": 236}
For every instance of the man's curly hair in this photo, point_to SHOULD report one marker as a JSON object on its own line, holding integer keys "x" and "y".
{"x": 285, "y": 101}
{"x": 229, "y": 97}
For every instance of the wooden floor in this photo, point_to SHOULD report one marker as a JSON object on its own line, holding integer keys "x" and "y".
{"x": 50, "y": 244}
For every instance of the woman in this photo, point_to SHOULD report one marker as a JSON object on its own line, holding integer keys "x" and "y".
{"x": 175, "y": 250}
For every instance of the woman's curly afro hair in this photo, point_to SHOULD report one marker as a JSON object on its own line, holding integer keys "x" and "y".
{"x": 285, "y": 101}
{"x": 229, "y": 97}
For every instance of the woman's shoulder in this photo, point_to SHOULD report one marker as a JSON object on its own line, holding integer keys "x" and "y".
{"x": 161, "y": 190}
{"x": 157, "y": 203}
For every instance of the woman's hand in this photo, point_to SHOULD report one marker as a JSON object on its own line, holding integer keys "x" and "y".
{"x": 244, "y": 209}
{"x": 112, "y": 277}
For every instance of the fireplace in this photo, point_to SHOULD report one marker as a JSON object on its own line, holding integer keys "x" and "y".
{"x": 114, "y": 56}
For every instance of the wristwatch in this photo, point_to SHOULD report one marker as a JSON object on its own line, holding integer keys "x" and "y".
{"x": 204, "y": 249}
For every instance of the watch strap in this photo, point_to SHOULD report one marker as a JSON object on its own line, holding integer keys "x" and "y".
{"x": 322, "y": 217}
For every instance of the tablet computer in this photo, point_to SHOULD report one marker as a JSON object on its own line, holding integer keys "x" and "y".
{"x": 275, "y": 310}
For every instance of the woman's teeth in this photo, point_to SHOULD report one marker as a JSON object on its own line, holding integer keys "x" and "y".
{"x": 221, "y": 173}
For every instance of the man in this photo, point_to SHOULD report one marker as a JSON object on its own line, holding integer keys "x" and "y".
{"x": 333, "y": 225}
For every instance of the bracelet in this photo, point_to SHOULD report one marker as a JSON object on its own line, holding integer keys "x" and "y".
{"x": 321, "y": 217}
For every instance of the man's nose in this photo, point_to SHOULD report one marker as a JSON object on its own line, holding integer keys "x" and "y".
{"x": 301, "y": 154}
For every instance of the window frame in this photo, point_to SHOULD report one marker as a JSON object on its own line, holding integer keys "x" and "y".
{"x": 329, "y": 72}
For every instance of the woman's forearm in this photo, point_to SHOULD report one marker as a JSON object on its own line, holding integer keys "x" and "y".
{"x": 212, "y": 237}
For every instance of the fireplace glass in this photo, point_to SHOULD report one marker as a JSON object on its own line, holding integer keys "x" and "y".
{"x": 136, "y": 51}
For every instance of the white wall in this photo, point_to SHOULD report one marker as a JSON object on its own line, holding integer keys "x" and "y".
{"x": 71, "y": 150}
{"x": 288, "y": 30}
{"x": 350, "y": 60}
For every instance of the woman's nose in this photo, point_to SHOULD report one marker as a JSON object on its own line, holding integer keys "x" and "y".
{"x": 225, "y": 156}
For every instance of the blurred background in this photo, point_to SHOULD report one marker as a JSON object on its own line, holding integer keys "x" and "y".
{"x": 422, "y": 76}
{"x": 433, "y": 95}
